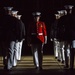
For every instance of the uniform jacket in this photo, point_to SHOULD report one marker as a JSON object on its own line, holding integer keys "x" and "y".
{"x": 12, "y": 28}
{"x": 72, "y": 28}
{"x": 64, "y": 26}
{"x": 21, "y": 32}
{"x": 37, "y": 32}
{"x": 53, "y": 30}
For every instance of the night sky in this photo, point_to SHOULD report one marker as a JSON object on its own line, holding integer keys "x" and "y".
{"x": 26, "y": 7}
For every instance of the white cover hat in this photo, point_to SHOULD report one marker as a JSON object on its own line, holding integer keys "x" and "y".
{"x": 63, "y": 11}
{"x": 60, "y": 12}
{"x": 8, "y": 8}
{"x": 14, "y": 12}
{"x": 56, "y": 14}
{"x": 68, "y": 6}
{"x": 19, "y": 16}
{"x": 36, "y": 13}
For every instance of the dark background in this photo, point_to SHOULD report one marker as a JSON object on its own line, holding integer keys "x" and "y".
{"x": 47, "y": 7}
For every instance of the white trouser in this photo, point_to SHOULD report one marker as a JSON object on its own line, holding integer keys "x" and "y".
{"x": 37, "y": 54}
{"x": 59, "y": 52}
{"x": 68, "y": 51}
{"x": 63, "y": 51}
{"x": 19, "y": 50}
{"x": 12, "y": 61}
{"x": 62, "y": 55}
{"x": 56, "y": 47}
{"x": 73, "y": 44}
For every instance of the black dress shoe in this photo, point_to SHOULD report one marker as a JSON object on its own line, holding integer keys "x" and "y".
{"x": 55, "y": 57}
{"x": 63, "y": 62}
{"x": 71, "y": 68}
{"x": 66, "y": 66}
{"x": 5, "y": 67}
{"x": 58, "y": 60}
{"x": 39, "y": 68}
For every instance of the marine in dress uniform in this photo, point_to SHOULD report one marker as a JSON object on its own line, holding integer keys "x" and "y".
{"x": 18, "y": 44}
{"x": 37, "y": 37}
{"x": 19, "y": 48}
{"x": 68, "y": 28}
{"x": 53, "y": 35}
{"x": 61, "y": 42}
{"x": 14, "y": 14}
{"x": 6, "y": 10}
{"x": 71, "y": 9}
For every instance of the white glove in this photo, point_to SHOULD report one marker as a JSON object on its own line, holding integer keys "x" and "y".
{"x": 45, "y": 39}
{"x": 55, "y": 39}
{"x": 51, "y": 39}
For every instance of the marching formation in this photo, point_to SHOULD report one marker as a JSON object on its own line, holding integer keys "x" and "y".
{"x": 12, "y": 36}
{"x": 13, "y": 33}
{"x": 62, "y": 34}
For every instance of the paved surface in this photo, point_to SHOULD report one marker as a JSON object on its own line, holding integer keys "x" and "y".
{"x": 26, "y": 67}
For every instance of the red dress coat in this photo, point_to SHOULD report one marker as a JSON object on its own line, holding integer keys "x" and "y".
{"x": 41, "y": 31}
{"x": 37, "y": 29}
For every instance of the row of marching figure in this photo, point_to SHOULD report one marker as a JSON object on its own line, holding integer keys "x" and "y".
{"x": 63, "y": 36}
{"x": 12, "y": 37}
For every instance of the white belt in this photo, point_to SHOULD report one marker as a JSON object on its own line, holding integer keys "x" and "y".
{"x": 40, "y": 33}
